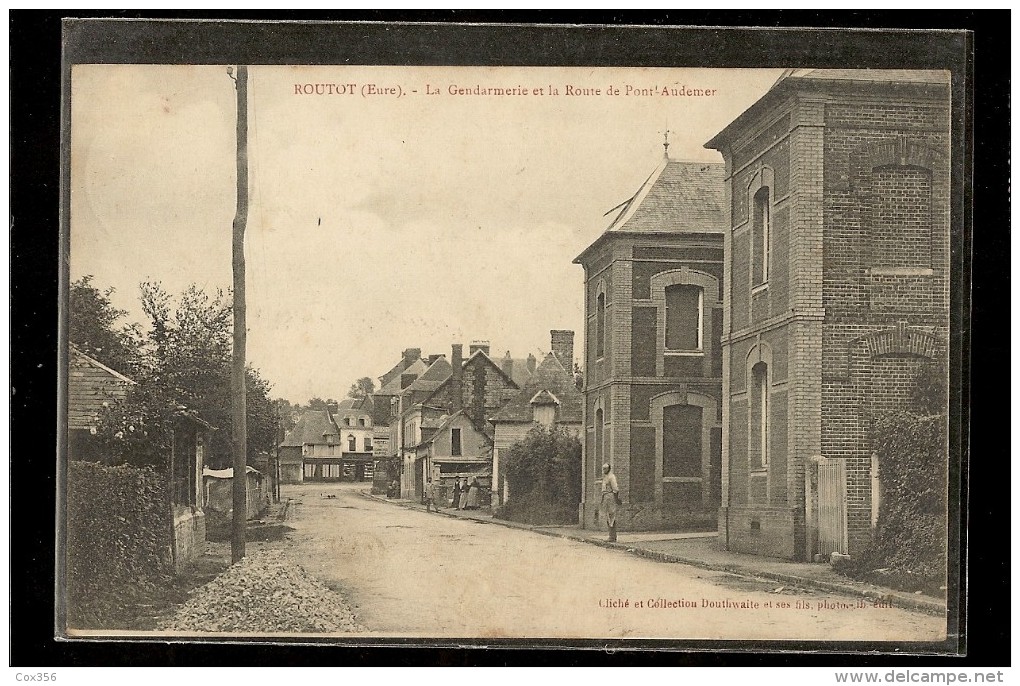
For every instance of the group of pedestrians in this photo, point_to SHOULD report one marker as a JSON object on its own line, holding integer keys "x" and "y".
{"x": 466, "y": 496}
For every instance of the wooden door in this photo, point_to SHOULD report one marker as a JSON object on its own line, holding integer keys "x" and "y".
{"x": 832, "y": 507}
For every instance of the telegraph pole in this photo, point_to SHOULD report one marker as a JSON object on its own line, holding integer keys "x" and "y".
{"x": 239, "y": 442}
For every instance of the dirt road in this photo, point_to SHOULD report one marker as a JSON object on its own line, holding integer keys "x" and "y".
{"x": 415, "y": 574}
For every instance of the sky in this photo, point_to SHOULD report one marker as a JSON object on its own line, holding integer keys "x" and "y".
{"x": 391, "y": 207}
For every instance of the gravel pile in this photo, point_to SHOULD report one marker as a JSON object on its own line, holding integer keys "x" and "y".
{"x": 264, "y": 593}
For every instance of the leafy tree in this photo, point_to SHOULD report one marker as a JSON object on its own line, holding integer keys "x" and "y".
{"x": 318, "y": 403}
{"x": 361, "y": 388}
{"x": 188, "y": 366}
{"x": 94, "y": 327}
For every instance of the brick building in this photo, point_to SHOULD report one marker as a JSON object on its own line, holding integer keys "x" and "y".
{"x": 653, "y": 308}
{"x": 836, "y": 292}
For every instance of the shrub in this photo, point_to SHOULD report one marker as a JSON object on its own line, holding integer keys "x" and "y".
{"x": 909, "y": 547}
{"x": 118, "y": 539}
{"x": 543, "y": 472}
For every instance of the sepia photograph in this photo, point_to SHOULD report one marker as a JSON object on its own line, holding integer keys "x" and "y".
{"x": 474, "y": 353}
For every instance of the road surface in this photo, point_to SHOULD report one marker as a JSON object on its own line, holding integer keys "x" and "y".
{"x": 409, "y": 573}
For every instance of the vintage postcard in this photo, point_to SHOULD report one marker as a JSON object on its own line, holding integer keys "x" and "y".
{"x": 543, "y": 353}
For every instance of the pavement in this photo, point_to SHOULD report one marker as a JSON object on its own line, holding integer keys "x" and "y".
{"x": 702, "y": 549}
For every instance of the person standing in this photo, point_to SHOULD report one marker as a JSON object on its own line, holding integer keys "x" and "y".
{"x": 430, "y": 496}
{"x": 463, "y": 493}
{"x": 456, "y": 494}
{"x": 610, "y": 499}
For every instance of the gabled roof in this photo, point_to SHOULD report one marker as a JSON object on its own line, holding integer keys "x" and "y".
{"x": 520, "y": 373}
{"x": 447, "y": 421}
{"x": 393, "y": 386}
{"x": 678, "y": 198}
{"x": 396, "y": 369}
{"x": 355, "y": 405}
{"x": 551, "y": 382}
{"x": 312, "y": 427}
{"x": 90, "y": 384}
{"x": 433, "y": 377}
{"x": 483, "y": 358}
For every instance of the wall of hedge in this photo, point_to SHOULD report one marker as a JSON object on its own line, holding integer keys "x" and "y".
{"x": 909, "y": 547}
{"x": 118, "y": 538}
{"x": 543, "y": 473}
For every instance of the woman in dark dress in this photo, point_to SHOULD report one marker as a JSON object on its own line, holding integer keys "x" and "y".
{"x": 456, "y": 494}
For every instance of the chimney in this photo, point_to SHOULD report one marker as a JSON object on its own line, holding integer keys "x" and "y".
{"x": 563, "y": 348}
{"x": 478, "y": 345}
{"x": 457, "y": 381}
{"x": 507, "y": 365}
{"x": 433, "y": 358}
{"x": 532, "y": 363}
{"x": 410, "y": 355}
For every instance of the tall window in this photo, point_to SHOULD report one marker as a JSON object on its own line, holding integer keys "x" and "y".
{"x": 684, "y": 324}
{"x": 760, "y": 236}
{"x": 600, "y": 456}
{"x": 600, "y": 325}
{"x": 368, "y": 444}
{"x": 455, "y": 447}
{"x": 352, "y": 444}
{"x": 760, "y": 415}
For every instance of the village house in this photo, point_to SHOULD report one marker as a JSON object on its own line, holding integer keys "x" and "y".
{"x": 653, "y": 365}
{"x": 451, "y": 447}
{"x": 91, "y": 386}
{"x": 311, "y": 451}
{"x": 549, "y": 398}
{"x": 353, "y": 418}
{"x": 837, "y": 291}
{"x": 405, "y": 422}
{"x": 384, "y": 415}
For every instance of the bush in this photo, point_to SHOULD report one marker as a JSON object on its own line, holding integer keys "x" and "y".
{"x": 543, "y": 472}
{"x": 118, "y": 539}
{"x": 909, "y": 547}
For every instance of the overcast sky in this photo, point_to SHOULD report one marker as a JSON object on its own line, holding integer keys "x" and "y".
{"x": 377, "y": 222}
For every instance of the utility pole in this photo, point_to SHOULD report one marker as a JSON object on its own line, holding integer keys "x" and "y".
{"x": 239, "y": 443}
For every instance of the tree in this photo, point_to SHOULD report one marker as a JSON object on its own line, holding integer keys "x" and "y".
{"x": 361, "y": 388}
{"x": 318, "y": 403}
{"x": 187, "y": 366}
{"x": 94, "y": 328}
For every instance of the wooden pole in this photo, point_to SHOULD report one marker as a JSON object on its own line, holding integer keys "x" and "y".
{"x": 239, "y": 442}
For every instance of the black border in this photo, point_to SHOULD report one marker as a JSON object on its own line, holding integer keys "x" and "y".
{"x": 35, "y": 198}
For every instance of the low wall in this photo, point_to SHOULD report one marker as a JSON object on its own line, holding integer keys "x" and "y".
{"x": 649, "y": 517}
{"x": 188, "y": 536}
{"x": 759, "y": 530}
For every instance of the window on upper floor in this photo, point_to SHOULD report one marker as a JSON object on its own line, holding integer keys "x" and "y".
{"x": 761, "y": 230}
{"x": 352, "y": 444}
{"x": 455, "y": 447}
{"x": 368, "y": 444}
{"x": 684, "y": 317}
{"x": 600, "y": 325}
{"x": 347, "y": 421}
{"x": 361, "y": 421}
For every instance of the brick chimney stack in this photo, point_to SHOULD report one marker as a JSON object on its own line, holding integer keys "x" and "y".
{"x": 410, "y": 355}
{"x": 507, "y": 365}
{"x": 457, "y": 381}
{"x": 478, "y": 345}
{"x": 563, "y": 348}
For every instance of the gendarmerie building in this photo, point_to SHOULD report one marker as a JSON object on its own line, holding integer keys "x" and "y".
{"x": 836, "y": 293}
{"x": 653, "y": 365}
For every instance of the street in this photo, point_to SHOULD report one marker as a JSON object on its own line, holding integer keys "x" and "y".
{"x": 409, "y": 573}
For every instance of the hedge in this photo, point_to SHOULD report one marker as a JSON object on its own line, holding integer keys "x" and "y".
{"x": 118, "y": 539}
{"x": 543, "y": 472}
{"x": 911, "y": 538}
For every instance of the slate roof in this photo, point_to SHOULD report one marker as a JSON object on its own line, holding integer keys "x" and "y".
{"x": 90, "y": 383}
{"x": 355, "y": 405}
{"x": 550, "y": 378}
{"x": 679, "y": 197}
{"x": 433, "y": 377}
{"x": 395, "y": 371}
{"x": 310, "y": 428}
{"x": 393, "y": 387}
{"x": 520, "y": 372}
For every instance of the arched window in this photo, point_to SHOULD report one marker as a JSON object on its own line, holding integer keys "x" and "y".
{"x": 760, "y": 236}
{"x": 600, "y": 325}
{"x": 599, "y": 432}
{"x": 759, "y": 435}
{"x": 684, "y": 317}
